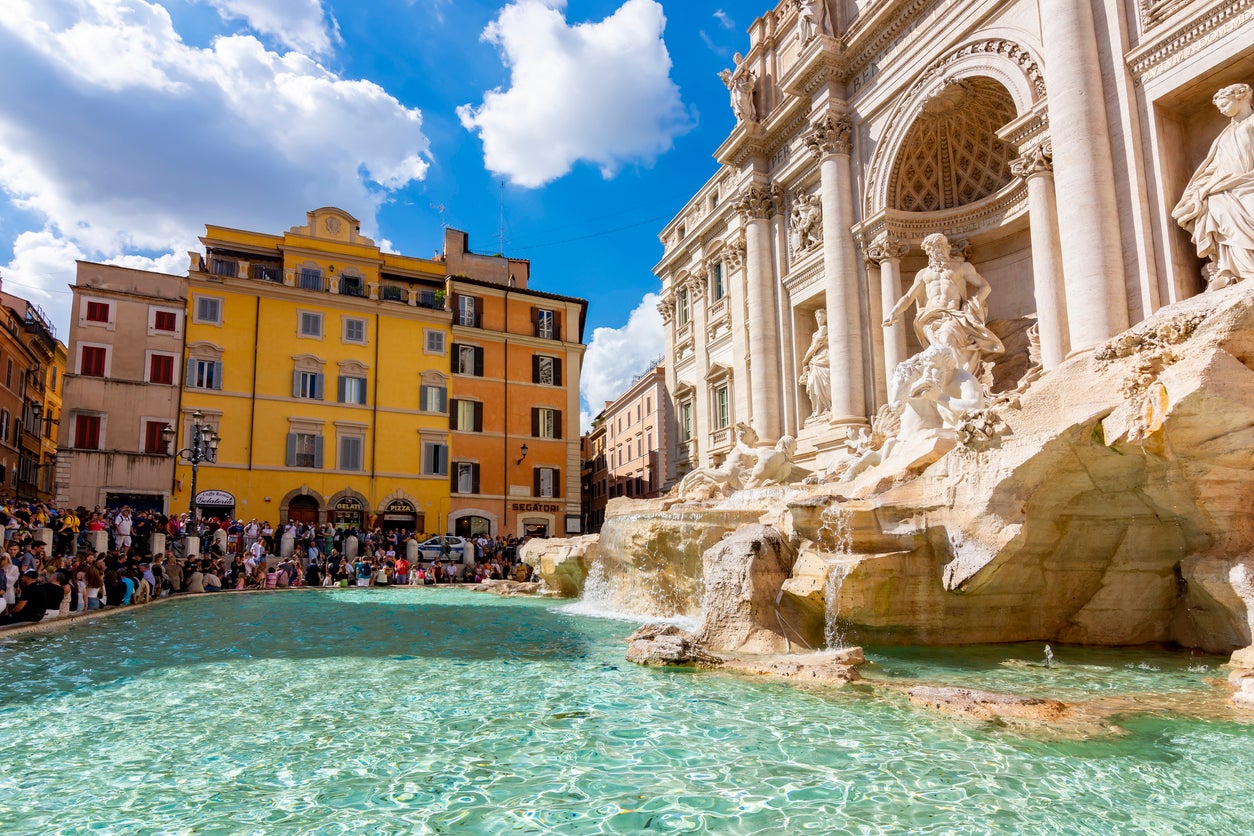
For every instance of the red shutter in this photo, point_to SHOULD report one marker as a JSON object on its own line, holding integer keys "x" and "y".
{"x": 557, "y": 325}
{"x": 478, "y": 311}
{"x": 161, "y": 369}
{"x": 153, "y": 442}
{"x": 165, "y": 321}
{"x": 93, "y": 361}
{"x": 87, "y": 432}
{"x": 97, "y": 311}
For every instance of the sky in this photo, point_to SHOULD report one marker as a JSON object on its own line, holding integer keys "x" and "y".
{"x": 570, "y": 131}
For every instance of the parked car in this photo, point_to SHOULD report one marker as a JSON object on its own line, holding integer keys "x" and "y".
{"x": 448, "y": 547}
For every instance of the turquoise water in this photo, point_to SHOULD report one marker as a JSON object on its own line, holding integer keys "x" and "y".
{"x": 443, "y": 711}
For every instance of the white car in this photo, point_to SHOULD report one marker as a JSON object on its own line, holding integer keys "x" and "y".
{"x": 448, "y": 547}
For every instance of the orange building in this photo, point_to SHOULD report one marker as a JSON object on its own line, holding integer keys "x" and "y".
{"x": 515, "y": 360}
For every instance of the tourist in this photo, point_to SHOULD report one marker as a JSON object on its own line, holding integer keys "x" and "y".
{"x": 10, "y": 572}
{"x": 196, "y": 580}
{"x": 32, "y": 603}
{"x": 95, "y": 586}
{"x": 210, "y": 581}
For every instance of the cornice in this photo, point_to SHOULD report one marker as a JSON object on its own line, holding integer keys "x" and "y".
{"x": 1173, "y": 44}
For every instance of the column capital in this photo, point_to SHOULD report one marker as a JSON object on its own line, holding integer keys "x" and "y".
{"x": 833, "y": 134}
{"x": 666, "y": 308}
{"x": 757, "y": 202}
{"x": 696, "y": 284}
{"x": 1039, "y": 159}
{"x": 734, "y": 254}
{"x": 884, "y": 247}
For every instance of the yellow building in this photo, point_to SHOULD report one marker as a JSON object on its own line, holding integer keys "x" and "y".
{"x": 322, "y": 364}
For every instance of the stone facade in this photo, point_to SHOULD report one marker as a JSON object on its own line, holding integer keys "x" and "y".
{"x": 875, "y": 124}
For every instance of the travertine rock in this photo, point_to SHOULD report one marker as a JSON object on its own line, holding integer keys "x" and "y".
{"x": 668, "y": 645}
{"x": 561, "y": 564}
{"x": 986, "y": 705}
{"x": 743, "y": 575}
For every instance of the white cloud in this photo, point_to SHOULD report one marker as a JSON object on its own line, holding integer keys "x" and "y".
{"x": 124, "y": 141}
{"x": 593, "y": 92}
{"x": 616, "y": 356}
{"x": 724, "y": 19}
{"x": 300, "y": 24}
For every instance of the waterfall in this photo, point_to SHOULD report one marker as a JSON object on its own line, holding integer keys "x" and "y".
{"x": 836, "y": 536}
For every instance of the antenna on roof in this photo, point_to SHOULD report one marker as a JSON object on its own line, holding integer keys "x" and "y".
{"x": 439, "y": 207}
{"x": 500, "y": 228}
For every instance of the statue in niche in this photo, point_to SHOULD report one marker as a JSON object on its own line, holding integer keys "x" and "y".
{"x": 816, "y": 373}
{"x": 812, "y": 17}
{"x": 1217, "y": 208}
{"x": 806, "y": 223}
{"x": 748, "y": 465}
{"x": 950, "y": 296}
{"x": 740, "y": 82}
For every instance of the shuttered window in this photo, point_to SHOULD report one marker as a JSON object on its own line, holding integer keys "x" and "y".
{"x": 304, "y": 450}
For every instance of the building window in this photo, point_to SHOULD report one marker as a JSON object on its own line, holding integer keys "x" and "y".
{"x": 466, "y": 477}
{"x": 165, "y": 321}
{"x": 546, "y": 370}
{"x": 6, "y": 424}
{"x": 354, "y": 330}
{"x": 352, "y": 389}
{"x": 468, "y": 311}
{"x": 466, "y": 416}
{"x": 53, "y": 380}
{"x": 350, "y": 452}
{"x": 433, "y": 398}
{"x": 685, "y": 421}
{"x": 92, "y": 363}
{"x": 717, "y": 290}
{"x": 546, "y": 324}
{"x": 546, "y": 423}
{"x": 310, "y": 324}
{"x": 467, "y": 359}
{"x": 546, "y": 482}
{"x": 435, "y": 342}
{"x": 304, "y": 450}
{"x": 87, "y": 432}
{"x": 310, "y": 278}
{"x": 434, "y": 458}
{"x": 722, "y": 407}
{"x": 204, "y": 374}
{"x": 154, "y": 444}
{"x": 209, "y": 310}
{"x": 351, "y": 286}
{"x": 97, "y": 311}
{"x": 307, "y": 385}
{"x": 161, "y": 368}
{"x": 682, "y": 311}
{"x": 8, "y": 373}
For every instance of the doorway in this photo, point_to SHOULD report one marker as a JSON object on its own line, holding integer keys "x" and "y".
{"x": 303, "y": 509}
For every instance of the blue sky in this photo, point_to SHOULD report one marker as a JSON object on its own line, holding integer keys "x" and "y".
{"x": 127, "y": 125}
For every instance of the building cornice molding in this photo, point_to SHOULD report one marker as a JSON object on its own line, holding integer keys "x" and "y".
{"x": 1170, "y": 45}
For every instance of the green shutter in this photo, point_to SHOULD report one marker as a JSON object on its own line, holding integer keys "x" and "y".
{"x": 340, "y": 389}
{"x": 296, "y": 384}
{"x": 317, "y": 451}
{"x": 291, "y": 449}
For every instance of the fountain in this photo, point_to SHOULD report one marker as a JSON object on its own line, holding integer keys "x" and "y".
{"x": 1049, "y": 657}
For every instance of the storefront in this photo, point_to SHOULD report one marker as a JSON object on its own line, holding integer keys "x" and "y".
{"x": 472, "y": 526}
{"x": 401, "y": 514}
{"x": 535, "y": 519}
{"x": 348, "y": 512}
{"x": 216, "y": 504}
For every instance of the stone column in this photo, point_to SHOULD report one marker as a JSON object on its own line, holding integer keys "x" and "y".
{"x": 887, "y": 251}
{"x": 666, "y": 308}
{"x": 756, "y": 207}
{"x": 350, "y": 547}
{"x": 156, "y": 543}
{"x": 1084, "y": 176}
{"x": 830, "y": 139}
{"x": 98, "y": 541}
{"x": 287, "y": 545}
{"x": 783, "y": 321}
{"x": 1036, "y": 166}
{"x": 191, "y": 545}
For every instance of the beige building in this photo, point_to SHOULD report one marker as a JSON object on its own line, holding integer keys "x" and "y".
{"x": 629, "y": 444}
{"x": 1048, "y": 140}
{"x": 121, "y": 387}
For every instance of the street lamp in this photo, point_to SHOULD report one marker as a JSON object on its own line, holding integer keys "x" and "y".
{"x": 202, "y": 447}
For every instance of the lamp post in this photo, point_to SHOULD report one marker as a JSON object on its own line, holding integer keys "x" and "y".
{"x": 202, "y": 446}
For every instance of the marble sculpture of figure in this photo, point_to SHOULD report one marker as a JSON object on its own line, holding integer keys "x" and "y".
{"x": 950, "y": 296}
{"x": 731, "y": 475}
{"x": 812, "y": 15}
{"x": 1217, "y": 207}
{"x": 806, "y": 224}
{"x": 740, "y": 83}
{"x": 932, "y": 391}
{"x": 816, "y": 374}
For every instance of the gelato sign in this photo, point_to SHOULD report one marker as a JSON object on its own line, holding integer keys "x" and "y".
{"x": 215, "y": 498}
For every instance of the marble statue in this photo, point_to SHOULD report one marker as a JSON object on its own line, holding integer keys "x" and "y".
{"x": 730, "y": 476}
{"x": 740, "y": 83}
{"x": 816, "y": 373}
{"x": 950, "y": 296}
{"x": 1217, "y": 207}
{"x": 774, "y": 465}
{"x": 806, "y": 224}
{"x": 932, "y": 391}
{"x": 812, "y": 16}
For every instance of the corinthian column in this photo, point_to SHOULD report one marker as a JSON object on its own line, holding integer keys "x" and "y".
{"x": 887, "y": 252}
{"x": 1092, "y": 260}
{"x": 1036, "y": 166}
{"x": 756, "y": 205}
{"x": 830, "y": 140}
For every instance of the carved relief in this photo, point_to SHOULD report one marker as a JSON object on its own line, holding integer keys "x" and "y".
{"x": 885, "y": 247}
{"x": 805, "y": 226}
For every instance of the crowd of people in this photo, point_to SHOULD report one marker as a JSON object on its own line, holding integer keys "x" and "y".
{"x": 40, "y": 579}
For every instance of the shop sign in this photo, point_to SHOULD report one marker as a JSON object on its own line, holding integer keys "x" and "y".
{"x": 214, "y": 497}
{"x": 533, "y": 506}
{"x": 348, "y": 503}
{"x": 399, "y": 506}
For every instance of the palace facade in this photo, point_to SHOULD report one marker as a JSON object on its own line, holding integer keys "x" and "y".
{"x": 1048, "y": 139}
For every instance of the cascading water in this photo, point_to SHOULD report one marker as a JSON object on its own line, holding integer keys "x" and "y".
{"x": 836, "y": 536}
{"x": 649, "y": 567}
